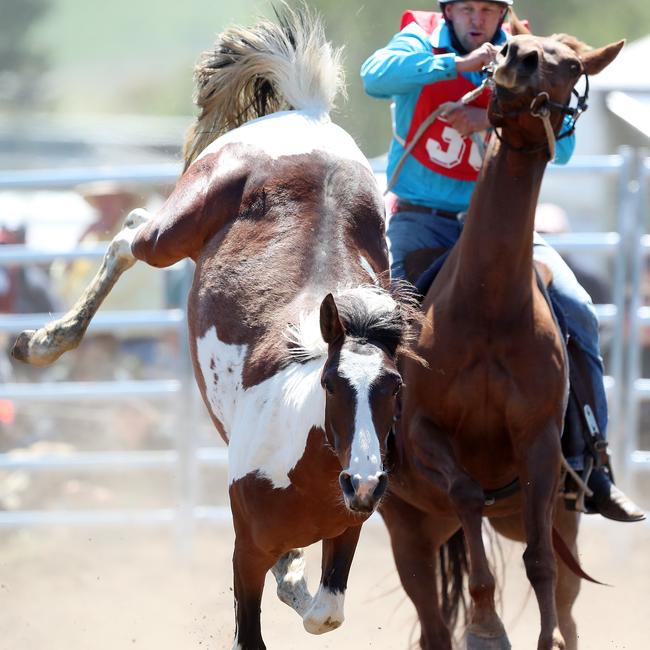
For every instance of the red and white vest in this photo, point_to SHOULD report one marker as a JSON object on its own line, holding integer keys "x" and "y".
{"x": 441, "y": 148}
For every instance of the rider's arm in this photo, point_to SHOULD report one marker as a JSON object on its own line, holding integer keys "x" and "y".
{"x": 406, "y": 64}
{"x": 565, "y": 146}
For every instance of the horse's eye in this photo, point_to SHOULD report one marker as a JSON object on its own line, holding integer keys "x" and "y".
{"x": 398, "y": 387}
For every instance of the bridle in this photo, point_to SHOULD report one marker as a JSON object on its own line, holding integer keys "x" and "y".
{"x": 541, "y": 107}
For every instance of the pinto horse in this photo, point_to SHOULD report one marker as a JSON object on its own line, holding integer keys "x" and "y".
{"x": 487, "y": 411}
{"x": 294, "y": 334}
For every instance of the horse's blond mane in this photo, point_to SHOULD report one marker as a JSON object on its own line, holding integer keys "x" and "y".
{"x": 252, "y": 72}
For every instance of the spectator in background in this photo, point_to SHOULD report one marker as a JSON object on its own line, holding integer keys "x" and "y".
{"x": 24, "y": 289}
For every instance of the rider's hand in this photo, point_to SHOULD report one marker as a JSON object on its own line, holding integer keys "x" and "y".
{"x": 477, "y": 58}
{"x": 468, "y": 119}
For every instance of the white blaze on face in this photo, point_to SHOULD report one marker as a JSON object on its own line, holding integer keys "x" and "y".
{"x": 361, "y": 370}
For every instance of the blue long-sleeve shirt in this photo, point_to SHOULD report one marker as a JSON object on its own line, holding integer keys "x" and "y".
{"x": 398, "y": 72}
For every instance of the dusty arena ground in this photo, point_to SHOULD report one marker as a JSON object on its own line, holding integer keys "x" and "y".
{"x": 101, "y": 589}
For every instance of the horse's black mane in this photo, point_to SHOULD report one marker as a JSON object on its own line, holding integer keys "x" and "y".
{"x": 367, "y": 321}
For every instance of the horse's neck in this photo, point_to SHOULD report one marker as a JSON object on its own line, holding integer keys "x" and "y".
{"x": 496, "y": 247}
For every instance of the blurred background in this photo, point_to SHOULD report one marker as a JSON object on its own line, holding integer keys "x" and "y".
{"x": 111, "y": 443}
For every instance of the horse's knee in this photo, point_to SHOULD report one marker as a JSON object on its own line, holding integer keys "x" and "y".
{"x": 539, "y": 563}
{"x": 467, "y": 496}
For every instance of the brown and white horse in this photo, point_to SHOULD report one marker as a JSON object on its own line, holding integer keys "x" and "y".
{"x": 488, "y": 409}
{"x": 293, "y": 338}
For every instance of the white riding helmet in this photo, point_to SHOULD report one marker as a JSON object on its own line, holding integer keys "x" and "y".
{"x": 508, "y": 3}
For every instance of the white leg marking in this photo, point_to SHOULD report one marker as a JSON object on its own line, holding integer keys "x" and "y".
{"x": 289, "y": 572}
{"x": 326, "y": 612}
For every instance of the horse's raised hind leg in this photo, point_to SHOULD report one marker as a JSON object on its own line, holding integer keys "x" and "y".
{"x": 250, "y": 566}
{"x": 326, "y": 610}
{"x": 540, "y": 474}
{"x": 415, "y": 538}
{"x": 44, "y": 346}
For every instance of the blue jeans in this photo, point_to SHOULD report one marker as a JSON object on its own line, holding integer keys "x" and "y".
{"x": 409, "y": 231}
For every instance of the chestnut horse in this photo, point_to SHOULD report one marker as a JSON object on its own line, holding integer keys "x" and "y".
{"x": 293, "y": 339}
{"x": 488, "y": 409}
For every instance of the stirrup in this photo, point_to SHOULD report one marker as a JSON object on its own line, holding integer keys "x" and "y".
{"x": 575, "y": 486}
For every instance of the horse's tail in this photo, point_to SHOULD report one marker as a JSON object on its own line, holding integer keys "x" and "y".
{"x": 251, "y": 72}
{"x": 453, "y": 570}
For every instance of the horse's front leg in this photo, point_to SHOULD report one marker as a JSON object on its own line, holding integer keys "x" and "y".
{"x": 326, "y": 610}
{"x": 540, "y": 473}
{"x": 44, "y": 346}
{"x": 415, "y": 538}
{"x": 435, "y": 458}
{"x": 485, "y": 631}
{"x": 250, "y": 565}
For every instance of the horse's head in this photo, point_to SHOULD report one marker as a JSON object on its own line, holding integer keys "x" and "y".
{"x": 535, "y": 77}
{"x": 364, "y": 329}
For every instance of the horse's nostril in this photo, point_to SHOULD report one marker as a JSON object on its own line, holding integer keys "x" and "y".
{"x": 347, "y": 483}
{"x": 530, "y": 62}
{"x": 378, "y": 493}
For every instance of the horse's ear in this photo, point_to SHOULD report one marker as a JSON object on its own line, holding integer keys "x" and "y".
{"x": 330, "y": 324}
{"x": 516, "y": 26}
{"x": 597, "y": 60}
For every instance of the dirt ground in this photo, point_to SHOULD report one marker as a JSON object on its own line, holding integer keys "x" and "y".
{"x": 101, "y": 589}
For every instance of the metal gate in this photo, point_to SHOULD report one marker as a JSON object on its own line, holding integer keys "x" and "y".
{"x": 628, "y": 248}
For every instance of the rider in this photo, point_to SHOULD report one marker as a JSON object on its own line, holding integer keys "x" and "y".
{"x": 420, "y": 71}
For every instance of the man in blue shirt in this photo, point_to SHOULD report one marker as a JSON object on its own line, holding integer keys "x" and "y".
{"x": 436, "y": 59}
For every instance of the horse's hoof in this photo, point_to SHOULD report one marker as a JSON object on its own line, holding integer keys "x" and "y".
{"x": 317, "y": 625}
{"x": 136, "y": 217}
{"x": 20, "y": 350}
{"x": 325, "y": 613}
{"x": 476, "y": 642}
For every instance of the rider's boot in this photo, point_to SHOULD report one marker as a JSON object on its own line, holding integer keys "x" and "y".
{"x": 608, "y": 500}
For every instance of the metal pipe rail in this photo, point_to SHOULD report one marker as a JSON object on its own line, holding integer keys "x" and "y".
{"x": 187, "y": 458}
{"x": 39, "y": 179}
{"x": 638, "y": 385}
{"x": 109, "y": 460}
{"x": 159, "y": 319}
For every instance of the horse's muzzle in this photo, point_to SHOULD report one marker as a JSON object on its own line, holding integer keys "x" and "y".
{"x": 363, "y": 494}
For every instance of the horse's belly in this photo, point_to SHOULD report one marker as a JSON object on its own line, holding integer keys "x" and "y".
{"x": 267, "y": 424}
